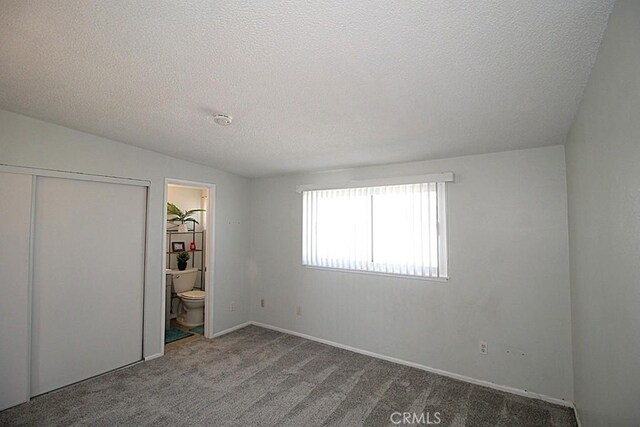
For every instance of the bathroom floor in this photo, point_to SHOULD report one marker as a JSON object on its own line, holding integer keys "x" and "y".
{"x": 184, "y": 341}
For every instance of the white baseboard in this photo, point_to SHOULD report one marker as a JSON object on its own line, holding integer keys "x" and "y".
{"x": 233, "y": 328}
{"x": 575, "y": 411}
{"x": 504, "y": 388}
{"x": 153, "y": 356}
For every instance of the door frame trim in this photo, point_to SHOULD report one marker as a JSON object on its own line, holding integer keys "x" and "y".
{"x": 210, "y": 251}
{"x": 81, "y": 176}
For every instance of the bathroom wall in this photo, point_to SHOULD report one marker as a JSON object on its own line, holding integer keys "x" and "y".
{"x": 603, "y": 165}
{"x": 29, "y": 142}
{"x": 509, "y": 268}
{"x": 187, "y": 198}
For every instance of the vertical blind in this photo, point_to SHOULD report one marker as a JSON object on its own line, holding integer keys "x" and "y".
{"x": 395, "y": 229}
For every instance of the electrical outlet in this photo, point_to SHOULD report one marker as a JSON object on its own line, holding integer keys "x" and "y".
{"x": 232, "y": 307}
{"x": 262, "y": 303}
{"x": 298, "y": 310}
{"x": 484, "y": 348}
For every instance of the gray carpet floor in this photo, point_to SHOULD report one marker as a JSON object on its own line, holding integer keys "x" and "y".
{"x": 258, "y": 377}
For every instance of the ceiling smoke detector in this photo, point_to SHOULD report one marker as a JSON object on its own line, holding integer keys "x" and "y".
{"x": 222, "y": 119}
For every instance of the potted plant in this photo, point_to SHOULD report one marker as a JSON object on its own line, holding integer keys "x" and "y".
{"x": 182, "y": 259}
{"x": 182, "y": 217}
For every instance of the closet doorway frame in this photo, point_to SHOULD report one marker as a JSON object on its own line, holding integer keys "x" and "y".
{"x": 36, "y": 172}
{"x": 209, "y": 260}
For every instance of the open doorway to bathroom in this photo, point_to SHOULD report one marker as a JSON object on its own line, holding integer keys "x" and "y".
{"x": 188, "y": 261}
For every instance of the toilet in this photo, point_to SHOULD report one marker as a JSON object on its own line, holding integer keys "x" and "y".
{"x": 191, "y": 307}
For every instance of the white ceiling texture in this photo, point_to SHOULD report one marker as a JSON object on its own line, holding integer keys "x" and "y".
{"x": 310, "y": 85}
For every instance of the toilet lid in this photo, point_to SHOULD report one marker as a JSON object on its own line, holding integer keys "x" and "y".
{"x": 192, "y": 295}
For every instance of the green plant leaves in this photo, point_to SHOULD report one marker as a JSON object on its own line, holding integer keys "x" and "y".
{"x": 183, "y": 257}
{"x": 192, "y": 211}
{"x": 179, "y": 215}
{"x": 173, "y": 210}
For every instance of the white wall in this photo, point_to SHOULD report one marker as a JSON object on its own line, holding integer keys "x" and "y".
{"x": 509, "y": 270}
{"x": 29, "y": 142}
{"x": 603, "y": 165}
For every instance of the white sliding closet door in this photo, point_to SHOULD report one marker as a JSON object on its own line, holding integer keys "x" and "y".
{"x": 15, "y": 224}
{"x": 88, "y": 278}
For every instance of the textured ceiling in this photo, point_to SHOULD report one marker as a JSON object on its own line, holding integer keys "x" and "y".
{"x": 310, "y": 85}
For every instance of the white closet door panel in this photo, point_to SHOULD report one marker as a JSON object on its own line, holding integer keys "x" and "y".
{"x": 87, "y": 280}
{"x": 15, "y": 224}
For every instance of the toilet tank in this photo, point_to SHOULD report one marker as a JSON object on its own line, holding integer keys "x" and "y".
{"x": 183, "y": 280}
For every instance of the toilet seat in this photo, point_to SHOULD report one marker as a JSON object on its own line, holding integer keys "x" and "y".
{"x": 192, "y": 295}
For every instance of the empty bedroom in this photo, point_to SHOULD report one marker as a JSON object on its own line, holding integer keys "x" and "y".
{"x": 402, "y": 213}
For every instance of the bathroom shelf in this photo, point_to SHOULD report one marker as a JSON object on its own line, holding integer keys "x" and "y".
{"x": 196, "y": 236}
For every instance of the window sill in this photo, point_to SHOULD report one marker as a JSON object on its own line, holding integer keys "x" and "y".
{"x": 375, "y": 273}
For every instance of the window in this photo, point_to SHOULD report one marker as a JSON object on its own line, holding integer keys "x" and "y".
{"x": 394, "y": 229}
